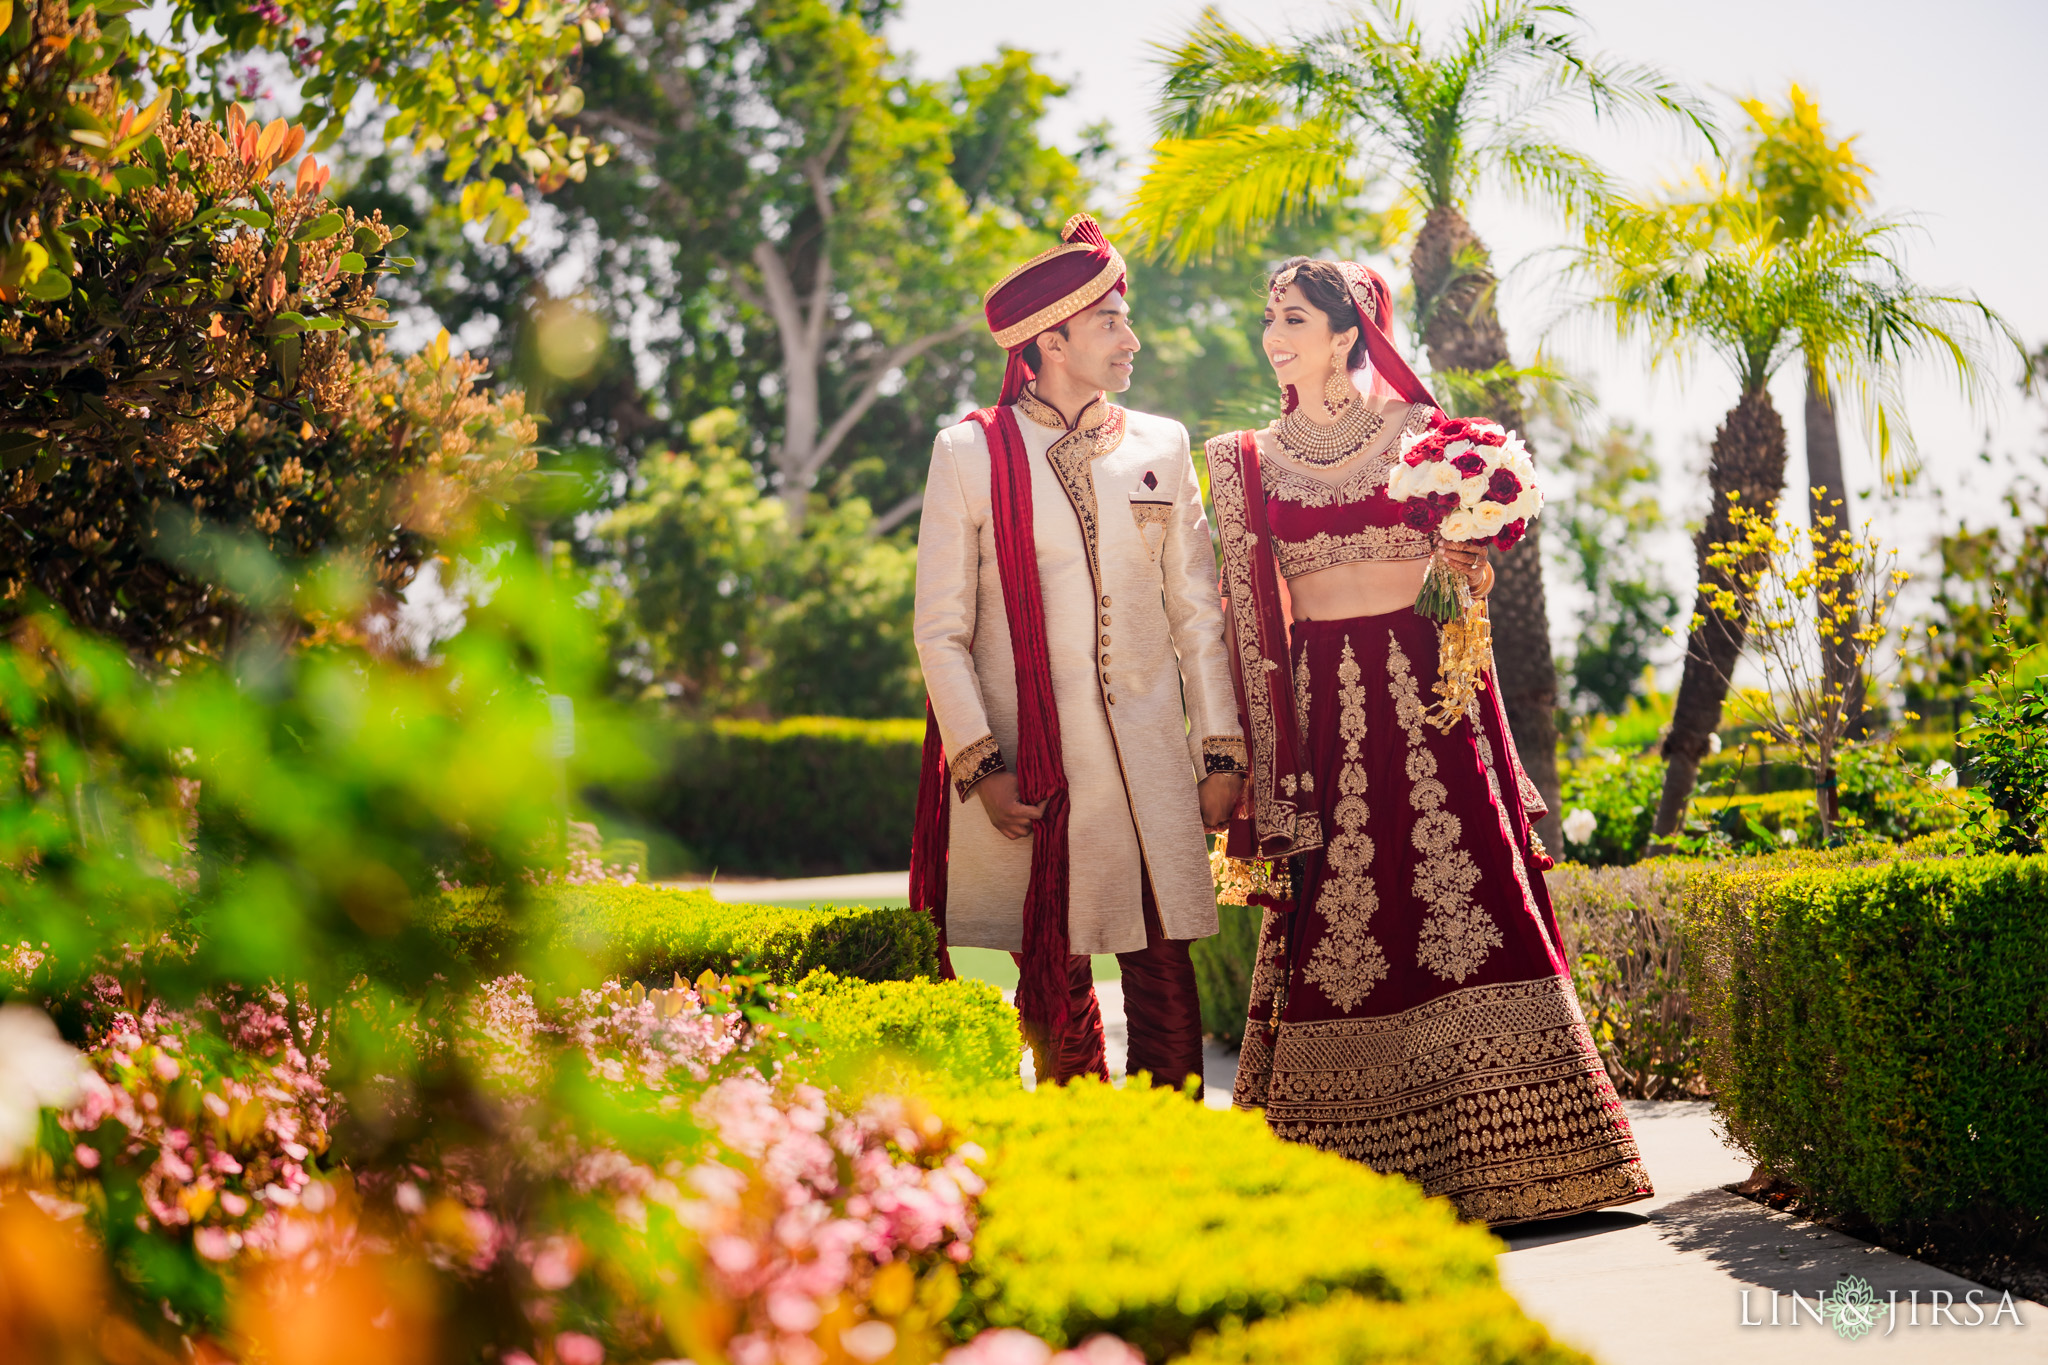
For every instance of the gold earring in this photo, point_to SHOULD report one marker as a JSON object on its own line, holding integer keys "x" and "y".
{"x": 1337, "y": 391}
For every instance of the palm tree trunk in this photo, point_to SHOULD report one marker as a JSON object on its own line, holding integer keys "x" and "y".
{"x": 1461, "y": 328}
{"x": 1829, "y": 492}
{"x": 1748, "y": 462}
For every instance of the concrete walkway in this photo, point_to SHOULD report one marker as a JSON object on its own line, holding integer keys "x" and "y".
{"x": 1694, "y": 1275}
{"x": 1662, "y": 1282}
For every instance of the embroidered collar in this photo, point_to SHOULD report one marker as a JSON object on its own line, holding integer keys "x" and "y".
{"x": 1102, "y": 438}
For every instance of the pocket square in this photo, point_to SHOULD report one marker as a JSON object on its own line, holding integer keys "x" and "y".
{"x": 1151, "y": 512}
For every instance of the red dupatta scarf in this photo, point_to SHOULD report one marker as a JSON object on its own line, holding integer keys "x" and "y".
{"x": 1041, "y": 776}
{"x": 1280, "y": 818}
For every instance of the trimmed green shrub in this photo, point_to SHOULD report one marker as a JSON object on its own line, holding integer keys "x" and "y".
{"x": 1878, "y": 1036}
{"x": 1223, "y": 971}
{"x": 961, "y": 1029}
{"x": 1621, "y": 792}
{"x": 652, "y": 933}
{"x": 1479, "y": 1327}
{"x": 810, "y": 794}
{"x": 1137, "y": 1212}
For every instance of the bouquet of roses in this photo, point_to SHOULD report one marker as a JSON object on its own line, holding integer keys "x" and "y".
{"x": 1468, "y": 479}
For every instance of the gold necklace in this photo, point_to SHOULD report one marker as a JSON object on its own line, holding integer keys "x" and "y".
{"x": 1332, "y": 446}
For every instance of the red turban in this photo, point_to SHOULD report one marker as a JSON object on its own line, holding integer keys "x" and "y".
{"x": 1048, "y": 289}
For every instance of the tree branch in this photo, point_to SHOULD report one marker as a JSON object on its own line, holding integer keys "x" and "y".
{"x": 895, "y": 516}
{"x": 781, "y": 302}
{"x": 871, "y": 388}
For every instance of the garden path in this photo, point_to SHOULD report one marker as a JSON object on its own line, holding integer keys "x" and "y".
{"x": 1660, "y": 1282}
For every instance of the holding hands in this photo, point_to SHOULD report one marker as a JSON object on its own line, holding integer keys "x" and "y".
{"x": 1219, "y": 795}
{"x": 1469, "y": 558}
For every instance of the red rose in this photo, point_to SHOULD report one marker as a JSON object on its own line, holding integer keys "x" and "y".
{"x": 1470, "y": 464}
{"x": 1510, "y": 535}
{"x": 1503, "y": 487}
{"x": 1491, "y": 435}
{"x": 1419, "y": 515}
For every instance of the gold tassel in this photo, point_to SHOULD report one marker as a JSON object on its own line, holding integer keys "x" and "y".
{"x": 1239, "y": 879}
{"x": 1465, "y": 644}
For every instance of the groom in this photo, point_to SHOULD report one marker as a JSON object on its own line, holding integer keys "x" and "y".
{"x": 1081, "y": 726}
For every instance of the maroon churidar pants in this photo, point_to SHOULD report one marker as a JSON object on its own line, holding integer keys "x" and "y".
{"x": 1164, "y": 1013}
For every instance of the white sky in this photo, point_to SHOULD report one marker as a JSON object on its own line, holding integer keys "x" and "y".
{"x": 1946, "y": 101}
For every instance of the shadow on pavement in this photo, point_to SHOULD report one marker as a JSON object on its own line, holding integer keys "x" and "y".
{"x": 1754, "y": 1246}
{"x": 1571, "y": 1229}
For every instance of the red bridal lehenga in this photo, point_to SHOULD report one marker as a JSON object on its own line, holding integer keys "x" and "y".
{"x": 1411, "y": 1006}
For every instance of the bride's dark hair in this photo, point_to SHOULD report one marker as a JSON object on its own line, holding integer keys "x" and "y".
{"x": 1323, "y": 285}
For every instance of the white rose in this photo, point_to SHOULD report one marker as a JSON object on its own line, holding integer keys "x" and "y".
{"x": 1579, "y": 825}
{"x": 1406, "y": 481}
{"x": 1527, "y": 503}
{"x": 1461, "y": 525}
{"x": 38, "y": 1070}
{"x": 1489, "y": 517}
{"x": 1444, "y": 479}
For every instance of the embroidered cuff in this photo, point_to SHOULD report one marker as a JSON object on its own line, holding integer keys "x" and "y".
{"x": 975, "y": 762}
{"x": 1221, "y": 755}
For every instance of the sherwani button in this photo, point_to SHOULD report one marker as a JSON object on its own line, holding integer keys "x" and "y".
{"x": 1105, "y": 618}
{"x": 1105, "y": 599}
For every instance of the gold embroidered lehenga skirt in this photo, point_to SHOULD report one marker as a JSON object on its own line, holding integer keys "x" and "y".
{"x": 1427, "y": 1023}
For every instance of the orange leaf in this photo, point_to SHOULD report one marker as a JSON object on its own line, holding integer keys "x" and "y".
{"x": 294, "y": 138}
{"x": 269, "y": 144}
{"x": 312, "y": 176}
{"x": 236, "y": 118}
{"x": 216, "y": 330}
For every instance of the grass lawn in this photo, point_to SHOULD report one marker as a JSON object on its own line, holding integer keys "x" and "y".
{"x": 982, "y": 964}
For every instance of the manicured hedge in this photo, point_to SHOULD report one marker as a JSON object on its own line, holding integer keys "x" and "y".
{"x": 959, "y": 1029}
{"x": 1140, "y": 1213}
{"x": 810, "y": 794}
{"x": 652, "y": 933}
{"x": 1478, "y": 1327}
{"x": 1878, "y": 1036}
{"x": 1223, "y": 971}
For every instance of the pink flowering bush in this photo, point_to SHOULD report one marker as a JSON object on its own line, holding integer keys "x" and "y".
{"x": 202, "y": 1126}
{"x": 647, "y": 1174}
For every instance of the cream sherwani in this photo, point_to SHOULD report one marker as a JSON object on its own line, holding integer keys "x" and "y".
{"x": 1139, "y": 675}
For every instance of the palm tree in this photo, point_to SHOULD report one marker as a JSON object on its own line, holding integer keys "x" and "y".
{"x": 1805, "y": 178}
{"x": 1254, "y": 134}
{"x": 1718, "y": 270}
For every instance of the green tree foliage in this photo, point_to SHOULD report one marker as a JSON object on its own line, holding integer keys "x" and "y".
{"x": 725, "y": 608}
{"x": 696, "y": 544}
{"x": 1986, "y": 562}
{"x": 1603, "y": 529}
{"x": 822, "y": 222}
{"x": 483, "y": 85}
{"x": 2006, "y": 744}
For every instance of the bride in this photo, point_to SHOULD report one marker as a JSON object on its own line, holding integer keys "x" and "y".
{"x": 1411, "y": 1005}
